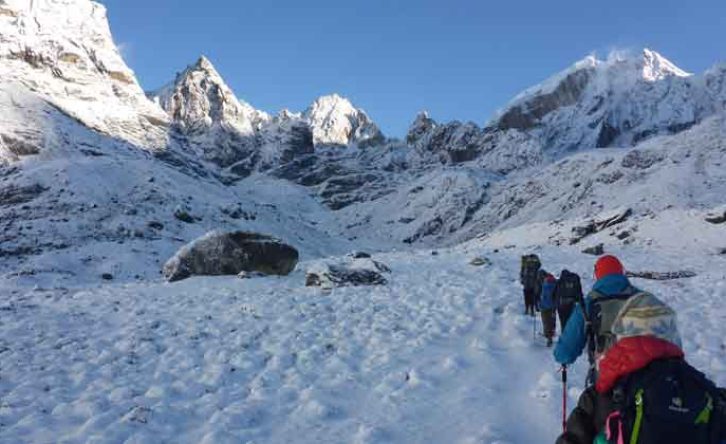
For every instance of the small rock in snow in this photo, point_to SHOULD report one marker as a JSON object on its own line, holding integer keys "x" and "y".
{"x": 596, "y": 250}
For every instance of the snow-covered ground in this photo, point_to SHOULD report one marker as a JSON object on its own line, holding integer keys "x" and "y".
{"x": 99, "y": 185}
{"x": 442, "y": 354}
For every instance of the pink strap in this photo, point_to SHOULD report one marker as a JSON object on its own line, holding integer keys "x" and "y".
{"x": 608, "y": 434}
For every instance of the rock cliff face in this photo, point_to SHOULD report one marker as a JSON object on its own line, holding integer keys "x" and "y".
{"x": 335, "y": 121}
{"x": 232, "y": 134}
{"x": 62, "y": 50}
{"x": 208, "y": 116}
{"x": 200, "y": 100}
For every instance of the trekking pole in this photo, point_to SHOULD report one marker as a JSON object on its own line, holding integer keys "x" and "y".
{"x": 564, "y": 397}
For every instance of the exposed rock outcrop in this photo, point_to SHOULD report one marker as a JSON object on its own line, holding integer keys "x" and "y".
{"x": 661, "y": 276}
{"x": 354, "y": 272}
{"x": 596, "y": 250}
{"x": 717, "y": 216}
{"x": 220, "y": 253}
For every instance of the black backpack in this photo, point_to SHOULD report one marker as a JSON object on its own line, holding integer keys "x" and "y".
{"x": 668, "y": 402}
{"x": 569, "y": 288}
{"x": 529, "y": 270}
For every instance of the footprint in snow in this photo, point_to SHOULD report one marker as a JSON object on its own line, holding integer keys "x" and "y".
{"x": 546, "y": 386}
{"x": 487, "y": 435}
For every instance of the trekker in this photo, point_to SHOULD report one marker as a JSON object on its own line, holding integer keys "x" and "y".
{"x": 541, "y": 275}
{"x": 610, "y": 291}
{"x": 568, "y": 292}
{"x": 643, "y": 390}
{"x": 547, "y": 307}
{"x": 528, "y": 275}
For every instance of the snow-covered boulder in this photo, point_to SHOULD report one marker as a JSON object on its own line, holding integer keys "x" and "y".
{"x": 479, "y": 261}
{"x": 642, "y": 159}
{"x": 717, "y": 216}
{"x": 353, "y": 272}
{"x": 220, "y": 253}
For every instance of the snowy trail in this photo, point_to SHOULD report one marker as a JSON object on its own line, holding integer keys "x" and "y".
{"x": 442, "y": 354}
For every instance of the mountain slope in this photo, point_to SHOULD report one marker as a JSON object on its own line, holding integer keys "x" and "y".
{"x": 682, "y": 171}
{"x": 63, "y": 51}
{"x": 616, "y": 102}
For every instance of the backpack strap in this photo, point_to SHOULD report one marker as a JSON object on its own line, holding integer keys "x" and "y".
{"x": 590, "y": 327}
{"x": 718, "y": 417}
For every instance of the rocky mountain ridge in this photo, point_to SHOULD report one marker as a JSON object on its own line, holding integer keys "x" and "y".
{"x": 234, "y": 135}
{"x": 90, "y": 165}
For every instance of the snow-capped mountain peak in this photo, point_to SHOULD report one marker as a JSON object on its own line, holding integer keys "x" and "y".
{"x": 419, "y": 127}
{"x": 619, "y": 101}
{"x": 648, "y": 65}
{"x": 204, "y": 63}
{"x": 199, "y": 99}
{"x": 335, "y": 121}
{"x": 657, "y": 67}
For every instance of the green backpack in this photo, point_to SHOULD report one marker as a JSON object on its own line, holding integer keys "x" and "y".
{"x": 529, "y": 268}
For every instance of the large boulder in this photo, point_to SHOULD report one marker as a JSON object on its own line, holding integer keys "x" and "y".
{"x": 222, "y": 253}
{"x": 353, "y": 272}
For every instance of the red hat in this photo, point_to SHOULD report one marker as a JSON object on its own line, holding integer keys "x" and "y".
{"x": 607, "y": 265}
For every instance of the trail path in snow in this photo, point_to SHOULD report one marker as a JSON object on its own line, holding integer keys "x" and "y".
{"x": 469, "y": 387}
{"x": 442, "y": 354}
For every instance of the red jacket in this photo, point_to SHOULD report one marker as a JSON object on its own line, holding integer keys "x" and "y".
{"x": 632, "y": 354}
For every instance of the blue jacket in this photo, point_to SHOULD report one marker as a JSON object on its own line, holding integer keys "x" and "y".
{"x": 547, "y": 300}
{"x": 574, "y": 338}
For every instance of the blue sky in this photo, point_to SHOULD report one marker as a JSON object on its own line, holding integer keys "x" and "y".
{"x": 458, "y": 59}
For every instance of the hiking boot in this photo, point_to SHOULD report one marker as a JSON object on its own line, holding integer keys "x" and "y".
{"x": 549, "y": 342}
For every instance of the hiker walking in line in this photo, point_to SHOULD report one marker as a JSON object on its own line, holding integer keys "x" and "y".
{"x": 568, "y": 292}
{"x": 528, "y": 277}
{"x": 608, "y": 294}
{"x": 547, "y": 307}
{"x": 643, "y": 391}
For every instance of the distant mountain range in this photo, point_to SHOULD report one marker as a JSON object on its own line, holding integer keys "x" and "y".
{"x": 91, "y": 162}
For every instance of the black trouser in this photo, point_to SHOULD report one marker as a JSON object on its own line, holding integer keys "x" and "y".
{"x": 564, "y": 311}
{"x": 548, "y": 323}
{"x": 529, "y": 301}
